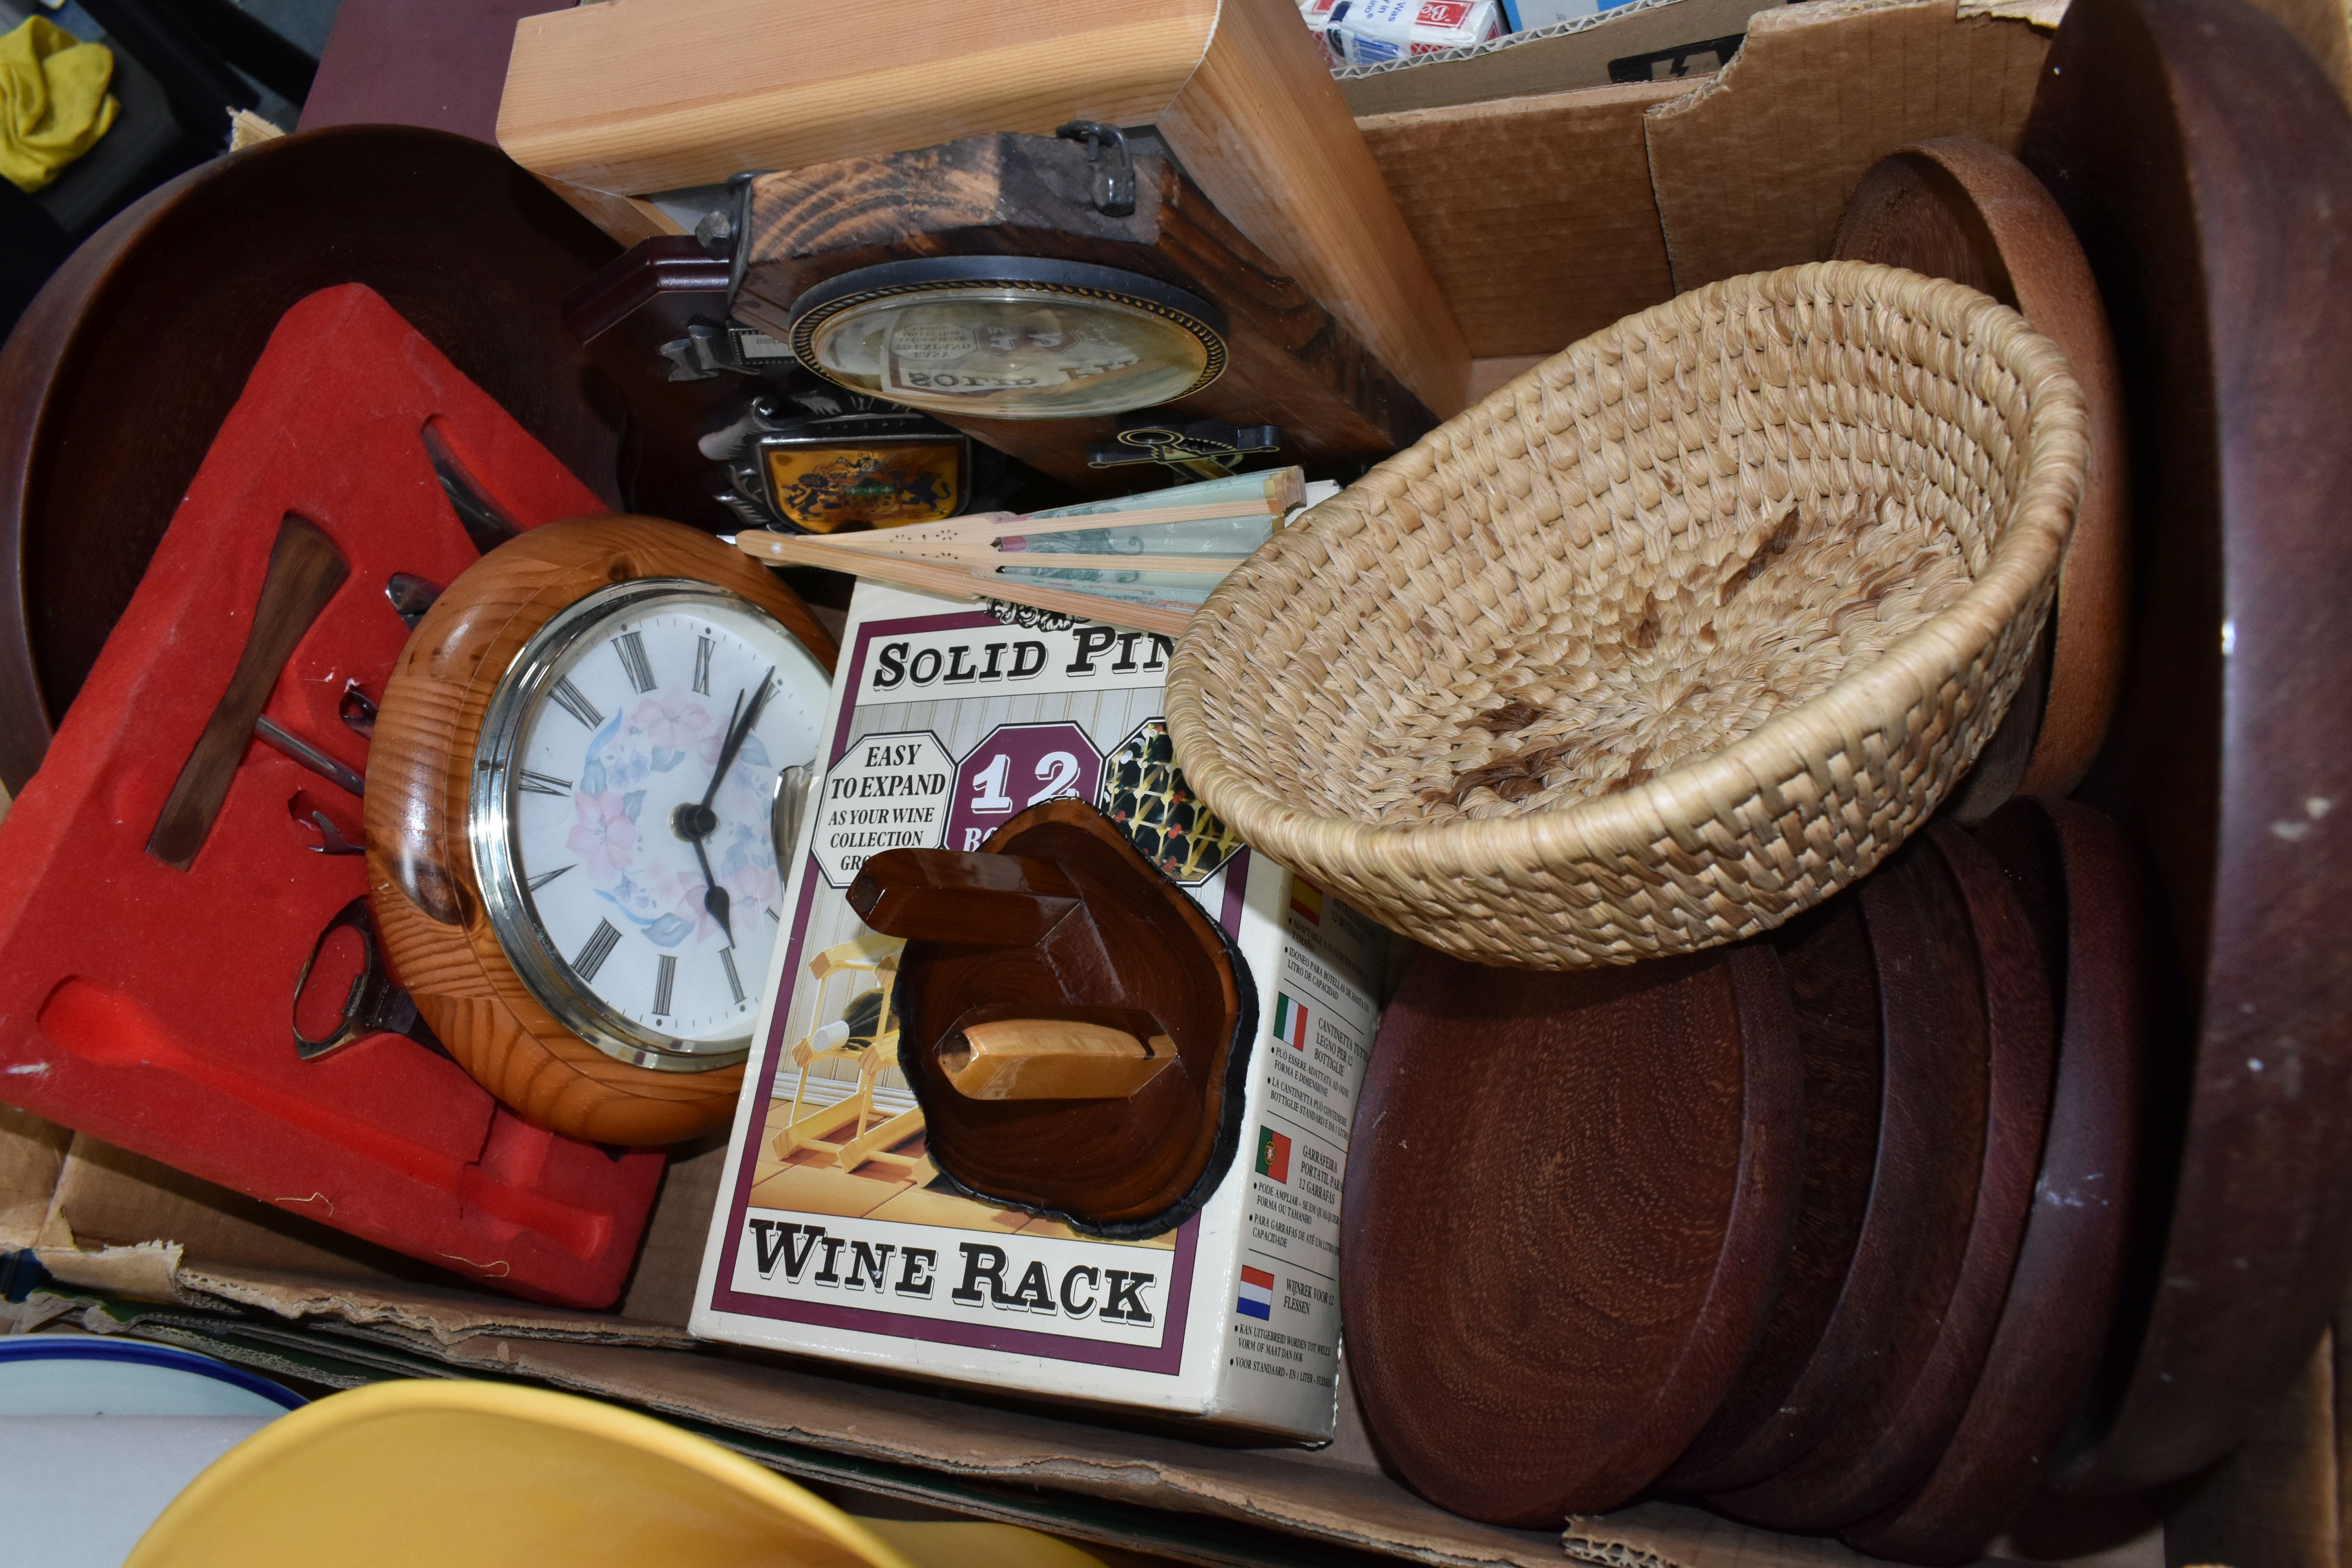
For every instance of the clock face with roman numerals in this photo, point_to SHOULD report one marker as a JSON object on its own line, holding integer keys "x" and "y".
{"x": 624, "y": 808}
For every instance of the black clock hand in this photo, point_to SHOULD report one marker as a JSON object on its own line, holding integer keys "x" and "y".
{"x": 696, "y": 823}
{"x": 735, "y": 732}
{"x": 702, "y": 814}
{"x": 714, "y": 897}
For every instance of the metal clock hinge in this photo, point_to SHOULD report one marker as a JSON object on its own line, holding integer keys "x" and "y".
{"x": 1114, "y": 192}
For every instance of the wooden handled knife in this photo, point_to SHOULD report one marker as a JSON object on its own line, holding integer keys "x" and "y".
{"x": 305, "y": 570}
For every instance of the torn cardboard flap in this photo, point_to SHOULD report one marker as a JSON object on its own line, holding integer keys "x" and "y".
{"x": 144, "y": 1272}
{"x": 410, "y": 1313}
{"x": 1645, "y": 40}
{"x": 1752, "y": 169}
{"x": 1667, "y": 1535}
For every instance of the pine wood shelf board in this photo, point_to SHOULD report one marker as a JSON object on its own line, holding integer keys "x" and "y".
{"x": 719, "y": 87}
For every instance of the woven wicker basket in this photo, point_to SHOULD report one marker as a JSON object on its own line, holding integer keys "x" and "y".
{"x": 1669, "y": 638}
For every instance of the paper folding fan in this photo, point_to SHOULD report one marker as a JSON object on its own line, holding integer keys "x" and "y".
{"x": 1145, "y": 560}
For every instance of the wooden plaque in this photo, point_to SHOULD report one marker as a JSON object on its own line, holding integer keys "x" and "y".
{"x": 1834, "y": 987}
{"x": 1899, "y": 1345}
{"x": 1925, "y": 1076}
{"x": 2016, "y": 999}
{"x": 1959, "y": 208}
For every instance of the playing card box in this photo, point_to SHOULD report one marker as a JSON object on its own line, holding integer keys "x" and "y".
{"x": 836, "y": 1235}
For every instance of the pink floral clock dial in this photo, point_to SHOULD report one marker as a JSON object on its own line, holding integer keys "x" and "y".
{"x": 624, "y": 802}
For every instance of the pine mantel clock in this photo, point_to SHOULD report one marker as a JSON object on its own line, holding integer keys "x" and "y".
{"x": 571, "y": 798}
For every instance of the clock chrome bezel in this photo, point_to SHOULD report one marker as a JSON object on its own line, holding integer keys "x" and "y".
{"x": 492, "y": 826}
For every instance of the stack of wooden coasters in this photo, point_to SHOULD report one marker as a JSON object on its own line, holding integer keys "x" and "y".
{"x": 1824, "y": 1228}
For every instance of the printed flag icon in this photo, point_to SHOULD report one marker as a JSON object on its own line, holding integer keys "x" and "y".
{"x": 1290, "y": 1020}
{"x": 1307, "y": 900}
{"x": 1257, "y": 1294}
{"x": 1274, "y": 1155}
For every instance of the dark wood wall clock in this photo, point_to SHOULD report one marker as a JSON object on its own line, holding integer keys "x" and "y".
{"x": 1056, "y": 299}
{"x": 572, "y": 795}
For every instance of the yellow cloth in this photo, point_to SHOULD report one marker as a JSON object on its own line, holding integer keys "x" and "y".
{"x": 53, "y": 101}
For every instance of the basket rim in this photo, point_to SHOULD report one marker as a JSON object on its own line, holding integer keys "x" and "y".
{"x": 1680, "y": 802}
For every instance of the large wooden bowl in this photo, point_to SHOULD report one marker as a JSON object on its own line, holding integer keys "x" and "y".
{"x": 119, "y": 373}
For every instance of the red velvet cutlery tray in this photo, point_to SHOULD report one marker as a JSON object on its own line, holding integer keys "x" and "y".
{"x": 152, "y": 1007}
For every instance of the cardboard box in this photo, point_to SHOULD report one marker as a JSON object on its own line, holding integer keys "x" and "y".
{"x": 837, "y": 1237}
{"x": 1591, "y": 204}
{"x": 96, "y": 1240}
{"x": 131, "y": 1248}
{"x": 1585, "y": 44}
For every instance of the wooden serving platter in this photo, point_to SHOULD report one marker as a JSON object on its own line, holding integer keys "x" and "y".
{"x": 1930, "y": 1115}
{"x": 2206, "y": 163}
{"x": 2075, "y": 875}
{"x": 1834, "y": 987}
{"x": 1568, "y": 1200}
{"x": 1963, "y": 209}
{"x": 1819, "y": 1489}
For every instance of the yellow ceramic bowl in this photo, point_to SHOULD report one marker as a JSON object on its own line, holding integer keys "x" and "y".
{"x": 479, "y": 1475}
